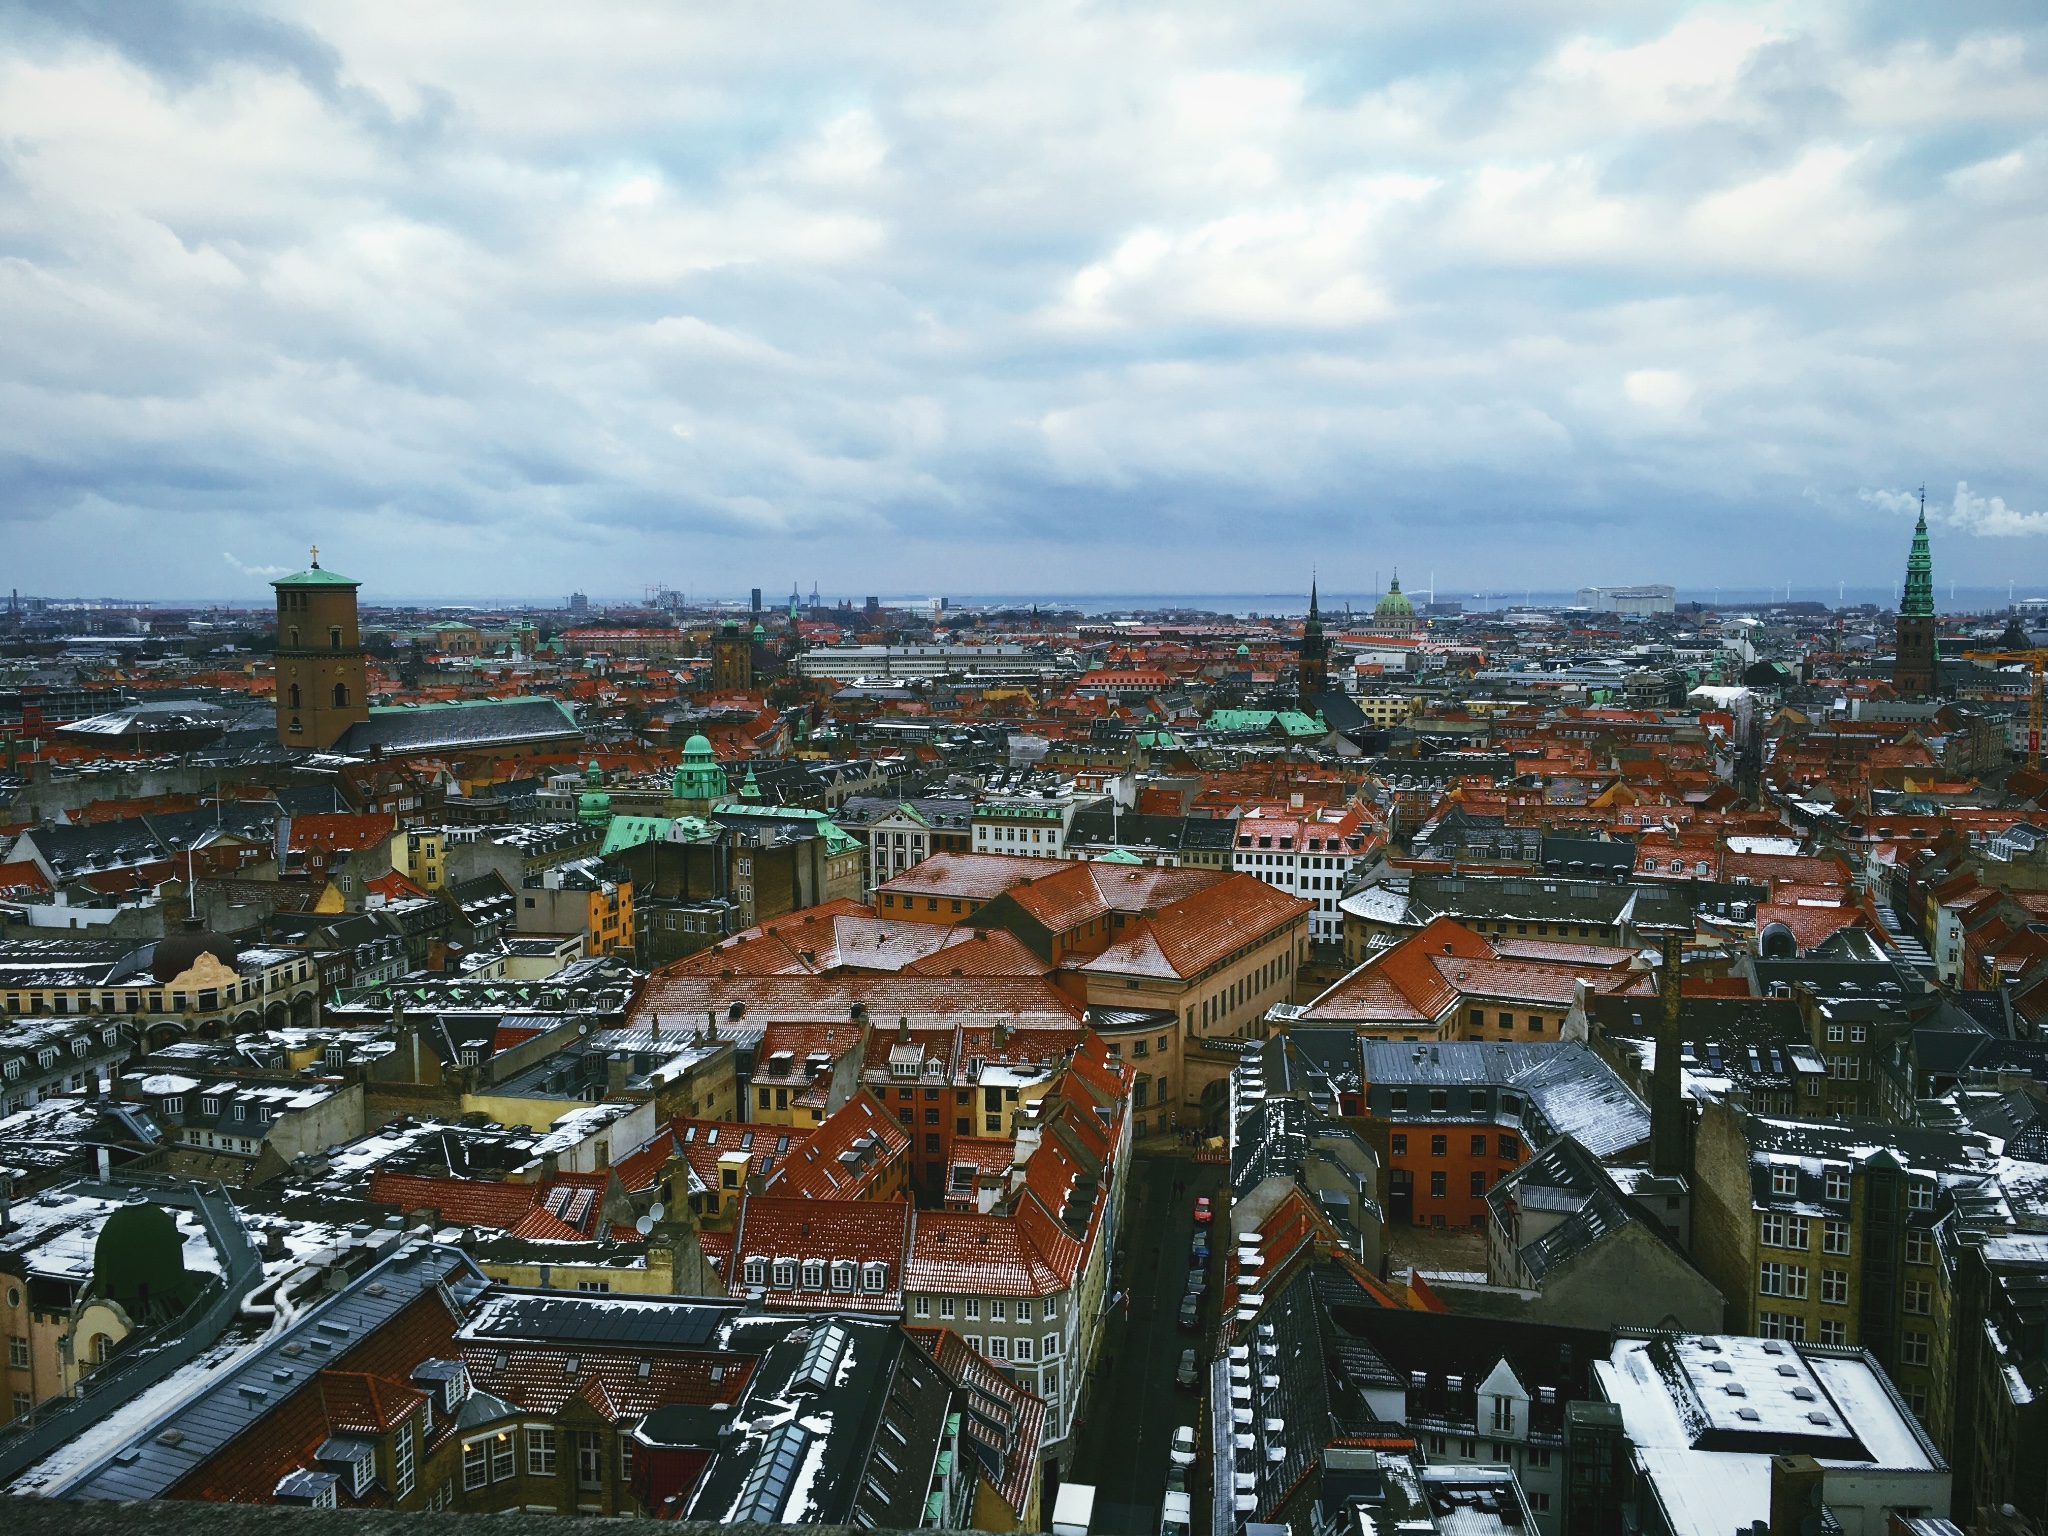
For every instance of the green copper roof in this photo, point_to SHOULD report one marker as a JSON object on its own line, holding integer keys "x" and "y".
{"x": 1918, "y": 603}
{"x": 631, "y": 831}
{"x": 316, "y": 578}
{"x": 1119, "y": 856}
{"x": 1396, "y": 601}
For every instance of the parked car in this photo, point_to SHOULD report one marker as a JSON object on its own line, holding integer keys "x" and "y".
{"x": 1176, "y": 1479}
{"x": 1198, "y": 1281}
{"x": 1183, "y": 1452}
{"x": 1191, "y": 1313}
{"x": 1174, "y": 1515}
{"x": 1204, "y": 1212}
{"x": 1198, "y": 1251}
{"x": 1185, "y": 1376}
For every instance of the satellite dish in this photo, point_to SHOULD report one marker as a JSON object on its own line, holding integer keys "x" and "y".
{"x": 583, "y": 1029}
{"x": 644, "y": 1225}
{"x": 656, "y": 1211}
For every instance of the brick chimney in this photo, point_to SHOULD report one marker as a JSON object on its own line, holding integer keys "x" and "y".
{"x": 1670, "y": 1135}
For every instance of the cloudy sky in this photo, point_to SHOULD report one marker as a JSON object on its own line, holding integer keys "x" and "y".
{"x": 1012, "y": 297}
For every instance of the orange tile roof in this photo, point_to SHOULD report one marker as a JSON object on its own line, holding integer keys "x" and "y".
{"x": 1185, "y": 938}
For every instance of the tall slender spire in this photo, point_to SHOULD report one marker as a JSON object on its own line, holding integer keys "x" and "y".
{"x": 1918, "y": 602}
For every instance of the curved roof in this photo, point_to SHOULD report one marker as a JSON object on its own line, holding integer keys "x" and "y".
{"x": 315, "y": 577}
{"x": 1395, "y": 601}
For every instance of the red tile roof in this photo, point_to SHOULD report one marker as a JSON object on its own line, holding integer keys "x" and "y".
{"x": 863, "y": 1232}
{"x": 830, "y": 999}
{"x": 860, "y": 1129}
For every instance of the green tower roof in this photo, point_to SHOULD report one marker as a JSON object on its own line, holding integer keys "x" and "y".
{"x": 1918, "y": 603}
{"x": 315, "y": 577}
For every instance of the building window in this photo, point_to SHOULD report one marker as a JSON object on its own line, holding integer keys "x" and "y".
{"x": 998, "y": 1347}
{"x": 785, "y": 1274}
{"x": 1834, "y": 1331}
{"x": 1781, "y": 1325}
{"x": 1439, "y": 1146}
{"x": 921, "y": 1307}
{"x": 1838, "y": 1184}
{"x": 1919, "y": 1195}
{"x": 501, "y": 1456}
{"x": 401, "y": 1461}
{"x": 1834, "y": 1237}
{"x": 1397, "y": 1144}
{"x": 1834, "y": 1287}
{"x": 974, "y": 1309}
{"x": 1784, "y": 1179}
{"x": 1919, "y": 1246}
{"x": 1913, "y": 1348}
{"x": 1919, "y": 1298}
{"x": 946, "y": 1308}
{"x": 17, "y": 1352}
{"x": 1478, "y": 1184}
{"x": 1436, "y": 1186}
{"x": 540, "y": 1453}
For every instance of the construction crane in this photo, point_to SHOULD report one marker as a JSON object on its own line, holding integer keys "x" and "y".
{"x": 2033, "y": 660}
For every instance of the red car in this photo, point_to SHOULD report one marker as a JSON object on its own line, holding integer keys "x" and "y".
{"x": 1203, "y": 1214}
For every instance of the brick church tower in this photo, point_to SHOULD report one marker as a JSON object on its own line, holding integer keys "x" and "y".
{"x": 322, "y": 681}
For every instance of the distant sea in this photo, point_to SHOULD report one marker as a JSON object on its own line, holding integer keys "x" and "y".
{"x": 1957, "y": 599}
{"x": 1965, "y": 599}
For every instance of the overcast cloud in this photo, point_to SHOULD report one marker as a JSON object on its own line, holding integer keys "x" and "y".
{"x": 512, "y": 298}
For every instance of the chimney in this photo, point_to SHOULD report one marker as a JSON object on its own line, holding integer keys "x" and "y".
{"x": 1797, "y": 1487}
{"x": 1670, "y": 1138}
{"x": 902, "y": 1031}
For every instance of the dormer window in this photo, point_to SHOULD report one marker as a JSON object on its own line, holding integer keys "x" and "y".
{"x": 755, "y": 1271}
{"x": 209, "y": 1106}
{"x": 874, "y": 1278}
{"x": 842, "y": 1274}
{"x": 785, "y": 1274}
{"x": 814, "y": 1274}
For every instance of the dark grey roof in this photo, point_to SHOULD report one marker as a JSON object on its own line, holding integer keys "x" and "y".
{"x": 165, "y": 1450}
{"x": 464, "y": 727}
{"x": 1601, "y": 1206}
{"x": 656, "y": 1322}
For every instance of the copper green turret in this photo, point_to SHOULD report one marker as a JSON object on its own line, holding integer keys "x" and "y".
{"x": 1918, "y": 603}
{"x": 1916, "y": 662}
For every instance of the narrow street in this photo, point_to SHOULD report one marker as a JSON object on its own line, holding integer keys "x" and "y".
{"x": 1134, "y": 1406}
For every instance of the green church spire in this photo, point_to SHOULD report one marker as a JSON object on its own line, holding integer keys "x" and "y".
{"x": 1918, "y": 603}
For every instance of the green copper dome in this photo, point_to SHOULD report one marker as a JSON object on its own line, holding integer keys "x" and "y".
{"x": 593, "y": 805}
{"x": 1395, "y": 604}
{"x": 699, "y": 777}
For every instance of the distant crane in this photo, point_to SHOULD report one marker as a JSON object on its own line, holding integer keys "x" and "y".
{"x": 2034, "y": 661}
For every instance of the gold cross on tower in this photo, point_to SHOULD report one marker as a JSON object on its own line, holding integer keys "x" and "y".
{"x": 316, "y": 557}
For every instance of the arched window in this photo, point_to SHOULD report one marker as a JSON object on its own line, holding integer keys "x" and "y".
{"x": 341, "y": 696}
{"x": 295, "y": 726}
{"x": 294, "y": 695}
{"x": 294, "y": 632}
